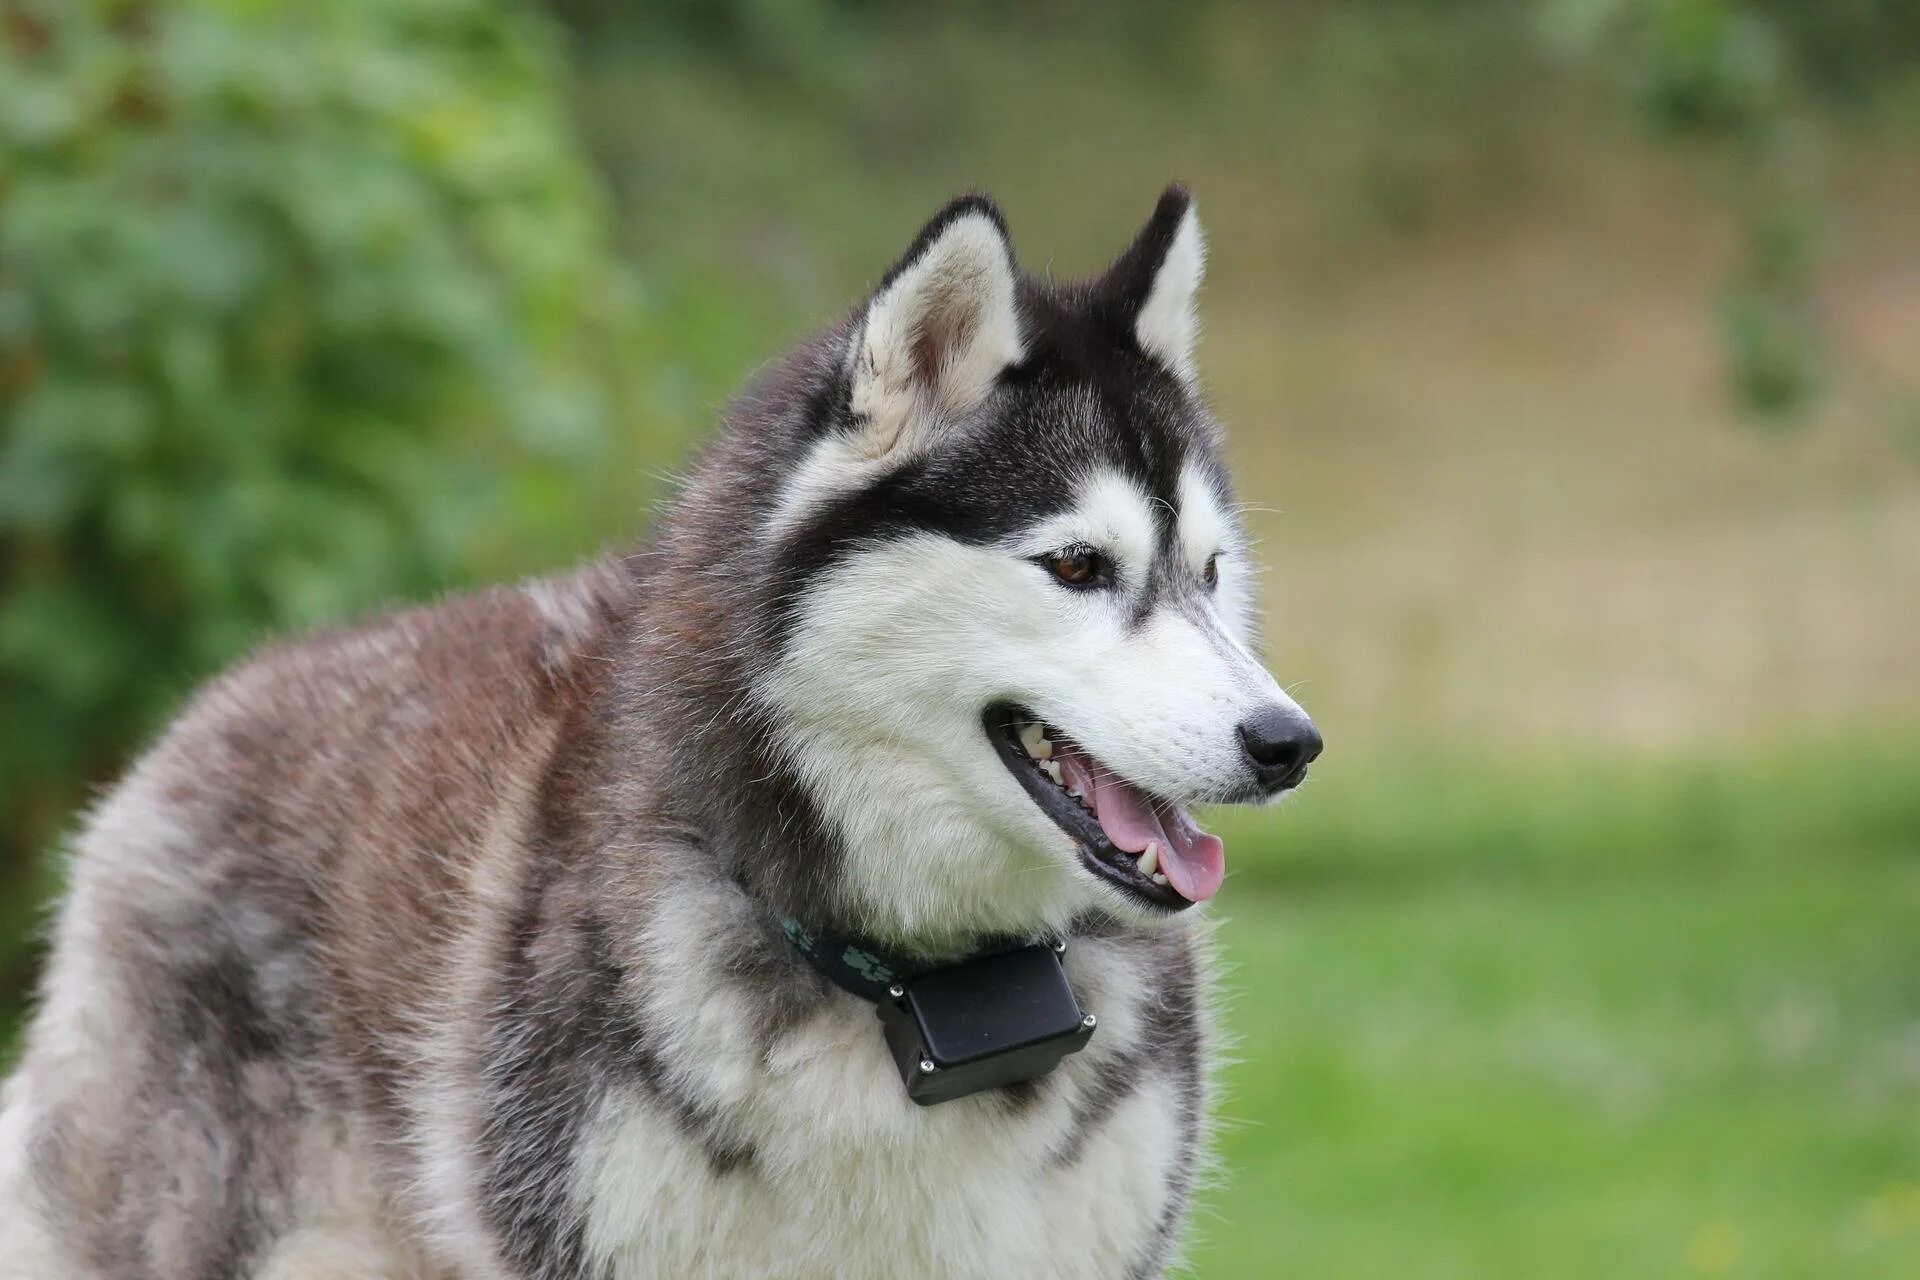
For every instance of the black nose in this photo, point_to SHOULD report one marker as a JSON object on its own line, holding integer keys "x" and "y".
{"x": 1279, "y": 742}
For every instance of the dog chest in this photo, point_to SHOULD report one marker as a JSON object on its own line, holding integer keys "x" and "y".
{"x": 824, "y": 1168}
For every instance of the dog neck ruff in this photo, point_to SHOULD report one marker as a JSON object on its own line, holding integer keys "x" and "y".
{"x": 1000, "y": 1016}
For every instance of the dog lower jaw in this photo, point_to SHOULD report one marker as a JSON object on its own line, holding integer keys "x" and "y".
{"x": 1143, "y": 889}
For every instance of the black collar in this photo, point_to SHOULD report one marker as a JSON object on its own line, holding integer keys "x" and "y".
{"x": 870, "y": 971}
{"x": 1002, "y": 1015}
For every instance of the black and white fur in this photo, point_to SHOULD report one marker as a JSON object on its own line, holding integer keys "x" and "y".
{"x": 448, "y": 945}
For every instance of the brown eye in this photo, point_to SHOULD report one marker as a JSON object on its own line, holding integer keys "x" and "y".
{"x": 1079, "y": 566}
{"x": 1212, "y": 572}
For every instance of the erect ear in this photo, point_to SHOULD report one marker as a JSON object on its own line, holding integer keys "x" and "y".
{"x": 939, "y": 330}
{"x": 1154, "y": 282}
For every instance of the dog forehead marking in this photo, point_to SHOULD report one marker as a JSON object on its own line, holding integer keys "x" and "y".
{"x": 1112, "y": 513}
{"x": 1203, "y": 521}
{"x": 831, "y": 469}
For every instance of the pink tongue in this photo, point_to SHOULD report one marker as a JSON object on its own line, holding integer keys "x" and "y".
{"x": 1194, "y": 861}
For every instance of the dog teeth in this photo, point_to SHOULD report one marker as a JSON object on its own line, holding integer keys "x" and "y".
{"x": 1159, "y": 878}
{"x": 1052, "y": 769}
{"x": 1033, "y": 737}
{"x": 1149, "y": 862}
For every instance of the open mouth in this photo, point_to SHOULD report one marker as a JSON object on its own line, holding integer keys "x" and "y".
{"x": 1149, "y": 848}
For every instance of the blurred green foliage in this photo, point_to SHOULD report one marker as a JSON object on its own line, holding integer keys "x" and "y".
{"x": 283, "y": 291}
{"x": 1718, "y": 75}
{"x": 1753, "y": 85}
{"x": 1751, "y": 92}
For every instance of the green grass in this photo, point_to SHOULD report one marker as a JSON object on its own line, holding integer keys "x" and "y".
{"x": 1663, "y": 1024}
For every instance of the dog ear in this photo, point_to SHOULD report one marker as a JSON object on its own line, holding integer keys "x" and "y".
{"x": 1152, "y": 284}
{"x": 939, "y": 330}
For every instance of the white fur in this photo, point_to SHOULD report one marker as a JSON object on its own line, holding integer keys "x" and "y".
{"x": 851, "y": 1179}
{"x": 836, "y": 465}
{"x": 27, "y": 1249}
{"x": 1167, "y": 325}
{"x": 898, "y": 627}
{"x": 1112, "y": 514}
{"x": 1207, "y": 530}
{"x": 953, "y": 303}
{"x": 901, "y": 645}
{"x": 346, "y": 1233}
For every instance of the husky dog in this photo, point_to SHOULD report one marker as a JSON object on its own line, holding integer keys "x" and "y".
{"x": 460, "y": 944}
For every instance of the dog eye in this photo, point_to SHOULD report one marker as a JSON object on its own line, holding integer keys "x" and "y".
{"x": 1212, "y": 573}
{"x": 1079, "y": 566}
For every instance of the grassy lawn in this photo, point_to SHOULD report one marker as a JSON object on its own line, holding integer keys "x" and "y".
{"x": 1691, "y": 1060}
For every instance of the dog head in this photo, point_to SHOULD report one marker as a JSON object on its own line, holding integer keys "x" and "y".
{"x": 1009, "y": 632}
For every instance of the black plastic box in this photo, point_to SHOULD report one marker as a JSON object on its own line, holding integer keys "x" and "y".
{"x": 984, "y": 1023}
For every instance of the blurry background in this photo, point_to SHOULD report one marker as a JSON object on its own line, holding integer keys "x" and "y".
{"x": 1569, "y": 355}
